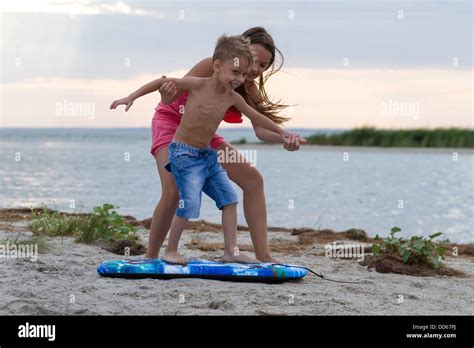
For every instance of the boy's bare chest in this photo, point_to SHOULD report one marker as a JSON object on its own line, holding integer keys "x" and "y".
{"x": 207, "y": 105}
{"x": 214, "y": 110}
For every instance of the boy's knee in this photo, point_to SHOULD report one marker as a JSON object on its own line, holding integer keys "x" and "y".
{"x": 231, "y": 206}
{"x": 187, "y": 210}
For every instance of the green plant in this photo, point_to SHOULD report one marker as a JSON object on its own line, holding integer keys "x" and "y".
{"x": 241, "y": 141}
{"x": 106, "y": 223}
{"x": 416, "y": 250}
{"x": 103, "y": 223}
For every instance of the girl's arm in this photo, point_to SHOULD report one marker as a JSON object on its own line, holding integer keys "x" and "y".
{"x": 257, "y": 118}
{"x": 186, "y": 83}
{"x": 291, "y": 143}
{"x": 169, "y": 91}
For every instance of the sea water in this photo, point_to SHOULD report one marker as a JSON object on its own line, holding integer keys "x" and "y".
{"x": 422, "y": 191}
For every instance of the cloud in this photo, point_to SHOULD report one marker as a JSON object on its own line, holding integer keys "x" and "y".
{"x": 77, "y": 7}
{"x": 386, "y": 98}
{"x": 95, "y": 51}
{"x": 91, "y": 39}
{"x": 323, "y": 98}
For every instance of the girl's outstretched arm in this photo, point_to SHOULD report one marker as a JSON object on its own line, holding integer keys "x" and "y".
{"x": 186, "y": 83}
{"x": 257, "y": 118}
{"x": 169, "y": 91}
{"x": 291, "y": 143}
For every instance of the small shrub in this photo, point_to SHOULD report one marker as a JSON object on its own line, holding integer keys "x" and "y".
{"x": 416, "y": 250}
{"x": 104, "y": 223}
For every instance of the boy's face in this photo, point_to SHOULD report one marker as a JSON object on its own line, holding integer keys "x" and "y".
{"x": 232, "y": 72}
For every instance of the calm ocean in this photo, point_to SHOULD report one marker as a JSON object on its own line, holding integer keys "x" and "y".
{"x": 419, "y": 190}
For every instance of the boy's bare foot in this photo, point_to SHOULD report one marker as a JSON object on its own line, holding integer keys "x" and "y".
{"x": 240, "y": 258}
{"x": 174, "y": 257}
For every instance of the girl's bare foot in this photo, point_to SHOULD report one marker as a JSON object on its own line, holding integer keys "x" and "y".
{"x": 237, "y": 257}
{"x": 174, "y": 257}
{"x": 268, "y": 259}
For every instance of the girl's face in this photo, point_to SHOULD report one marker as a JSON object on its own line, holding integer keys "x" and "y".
{"x": 262, "y": 58}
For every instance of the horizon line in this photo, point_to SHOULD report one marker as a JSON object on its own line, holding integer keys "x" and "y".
{"x": 251, "y": 128}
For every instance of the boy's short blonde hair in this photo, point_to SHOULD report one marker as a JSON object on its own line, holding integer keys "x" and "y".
{"x": 230, "y": 47}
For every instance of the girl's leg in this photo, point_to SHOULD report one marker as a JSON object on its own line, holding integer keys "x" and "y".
{"x": 251, "y": 182}
{"x": 166, "y": 207}
{"x": 229, "y": 225}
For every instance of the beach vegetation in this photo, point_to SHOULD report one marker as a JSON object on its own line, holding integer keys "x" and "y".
{"x": 416, "y": 250}
{"x": 104, "y": 223}
{"x": 370, "y": 136}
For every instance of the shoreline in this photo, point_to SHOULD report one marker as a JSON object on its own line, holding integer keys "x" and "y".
{"x": 45, "y": 286}
{"x": 359, "y": 136}
{"x": 366, "y": 148}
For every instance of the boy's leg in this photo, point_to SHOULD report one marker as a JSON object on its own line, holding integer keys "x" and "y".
{"x": 171, "y": 254}
{"x": 219, "y": 188}
{"x": 189, "y": 172}
{"x": 229, "y": 225}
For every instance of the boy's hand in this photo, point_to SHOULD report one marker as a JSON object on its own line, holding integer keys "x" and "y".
{"x": 168, "y": 91}
{"x": 292, "y": 141}
{"x": 128, "y": 101}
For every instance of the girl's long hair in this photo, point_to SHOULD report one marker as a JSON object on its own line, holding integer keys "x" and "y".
{"x": 265, "y": 106}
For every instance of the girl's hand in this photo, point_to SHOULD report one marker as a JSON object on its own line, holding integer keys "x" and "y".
{"x": 168, "y": 91}
{"x": 128, "y": 101}
{"x": 292, "y": 141}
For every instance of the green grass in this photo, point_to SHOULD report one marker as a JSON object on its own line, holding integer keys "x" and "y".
{"x": 53, "y": 224}
{"x": 104, "y": 223}
{"x": 368, "y": 136}
{"x": 242, "y": 141}
{"x": 43, "y": 246}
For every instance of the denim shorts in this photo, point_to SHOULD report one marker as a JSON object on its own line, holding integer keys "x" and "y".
{"x": 197, "y": 170}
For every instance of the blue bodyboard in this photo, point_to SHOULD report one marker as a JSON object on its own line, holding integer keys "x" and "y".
{"x": 157, "y": 268}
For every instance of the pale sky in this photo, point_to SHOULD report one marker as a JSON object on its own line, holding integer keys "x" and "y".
{"x": 386, "y": 64}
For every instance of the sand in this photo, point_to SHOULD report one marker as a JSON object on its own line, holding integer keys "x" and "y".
{"x": 64, "y": 281}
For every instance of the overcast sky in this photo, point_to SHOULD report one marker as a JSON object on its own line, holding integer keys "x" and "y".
{"x": 347, "y": 63}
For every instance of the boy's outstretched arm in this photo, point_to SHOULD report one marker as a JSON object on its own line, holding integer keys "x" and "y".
{"x": 186, "y": 83}
{"x": 257, "y": 118}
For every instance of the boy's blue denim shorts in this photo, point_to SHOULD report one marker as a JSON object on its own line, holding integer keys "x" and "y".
{"x": 197, "y": 170}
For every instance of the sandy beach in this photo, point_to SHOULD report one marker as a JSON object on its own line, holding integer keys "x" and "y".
{"x": 64, "y": 281}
